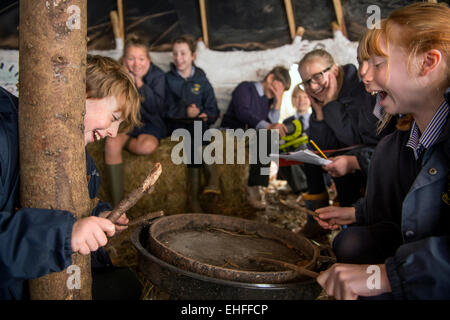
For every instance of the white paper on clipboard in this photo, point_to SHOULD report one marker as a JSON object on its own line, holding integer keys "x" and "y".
{"x": 306, "y": 156}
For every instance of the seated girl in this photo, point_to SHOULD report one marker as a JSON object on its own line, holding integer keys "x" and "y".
{"x": 191, "y": 99}
{"x": 141, "y": 140}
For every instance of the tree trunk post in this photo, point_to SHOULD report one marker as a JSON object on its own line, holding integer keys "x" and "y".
{"x": 51, "y": 108}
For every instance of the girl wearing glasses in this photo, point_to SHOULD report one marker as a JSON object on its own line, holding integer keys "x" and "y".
{"x": 408, "y": 68}
{"x": 343, "y": 116}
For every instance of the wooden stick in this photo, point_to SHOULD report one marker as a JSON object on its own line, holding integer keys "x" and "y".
{"x": 290, "y": 17}
{"x": 298, "y": 269}
{"x": 300, "y": 208}
{"x": 164, "y": 34}
{"x": 204, "y": 22}
{"x": 136, "y": 194}
{"x": 145, "y": 217}
{"x": 145, "y": 18}
{"x": 115, "y": 24}
{"x": 300, "y": 31}
{"x": 121, "y": 22}
{"x": 340, "y": 16}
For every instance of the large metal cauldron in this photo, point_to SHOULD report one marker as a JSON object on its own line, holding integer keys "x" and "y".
{"x": 186, "y": 278}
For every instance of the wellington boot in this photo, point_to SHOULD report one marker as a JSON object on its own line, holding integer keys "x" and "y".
{"x": 312, "y": 229}
{"x": 213, "y": 186}
{"x": 194, "y": 180}
{"x": 114, "y": 173}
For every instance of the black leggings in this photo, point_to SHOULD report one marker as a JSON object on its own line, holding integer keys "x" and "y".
{"x": 367, "y": 244}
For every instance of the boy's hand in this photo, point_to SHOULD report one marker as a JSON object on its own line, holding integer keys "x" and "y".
{"x": 332, "y": 217}
{"x": 120, "y": 223}
{"x": 192, "y": 111}
{"x": 88, "y": 234}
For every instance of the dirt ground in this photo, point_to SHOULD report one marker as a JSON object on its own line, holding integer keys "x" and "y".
{"x": 281, "y": 211}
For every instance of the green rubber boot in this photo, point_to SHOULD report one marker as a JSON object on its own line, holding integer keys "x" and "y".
{"x": 115, "y": 177}
{"x": 213, "y": 186}
{"x": 194, "y": 181}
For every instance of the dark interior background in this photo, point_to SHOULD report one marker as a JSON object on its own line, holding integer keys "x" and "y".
{"x": 232, "y": 24}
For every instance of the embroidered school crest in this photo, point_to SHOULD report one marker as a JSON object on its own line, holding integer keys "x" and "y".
{"x": 446, "y": 194}
{"x": 196, "y": 88}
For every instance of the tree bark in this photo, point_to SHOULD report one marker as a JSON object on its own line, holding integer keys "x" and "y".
{"x": 51, "y": 108}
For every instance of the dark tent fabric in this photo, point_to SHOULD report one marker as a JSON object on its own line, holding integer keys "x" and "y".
{"x": 231, "y": 23}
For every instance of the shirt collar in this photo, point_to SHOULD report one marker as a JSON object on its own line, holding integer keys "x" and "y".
{"x": 378, "y": 110}
{"x": 419, "y": 142}
{"x": 192, "y": 72}
{"x": 259, "y": 88}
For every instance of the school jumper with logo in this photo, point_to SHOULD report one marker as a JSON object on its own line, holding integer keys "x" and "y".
{"x": 180, "y": 93}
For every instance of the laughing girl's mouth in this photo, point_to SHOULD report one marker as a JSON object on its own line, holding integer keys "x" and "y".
{"x": 382, "y": 93}
{"x": 97, "y": 136}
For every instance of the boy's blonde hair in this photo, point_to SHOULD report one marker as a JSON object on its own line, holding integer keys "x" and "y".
{"x": 297, "y": 89}
{"x": 105, "y": 77}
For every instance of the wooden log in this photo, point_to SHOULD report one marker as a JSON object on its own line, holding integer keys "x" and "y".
{"x": 204, "y": 22}
{"x": 52, "y": 104}
{"x": 290, "y": 17}
{"x": 121, "y": 21}
{"x": 340, "y": 16}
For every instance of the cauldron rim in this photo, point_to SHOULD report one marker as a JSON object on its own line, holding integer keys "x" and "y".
{"x": 184, "y": 262}
{"x": 143, "y": 228}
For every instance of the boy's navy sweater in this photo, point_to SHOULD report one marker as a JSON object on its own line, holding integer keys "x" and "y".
{"x": 247, "y": 108}
{"x": 33, "y": 242}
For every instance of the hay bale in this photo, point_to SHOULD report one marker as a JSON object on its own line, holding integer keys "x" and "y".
{"x": 170, "y": 193}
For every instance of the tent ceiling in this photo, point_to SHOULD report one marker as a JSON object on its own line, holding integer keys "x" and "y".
{"x": 250, "y": 24}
